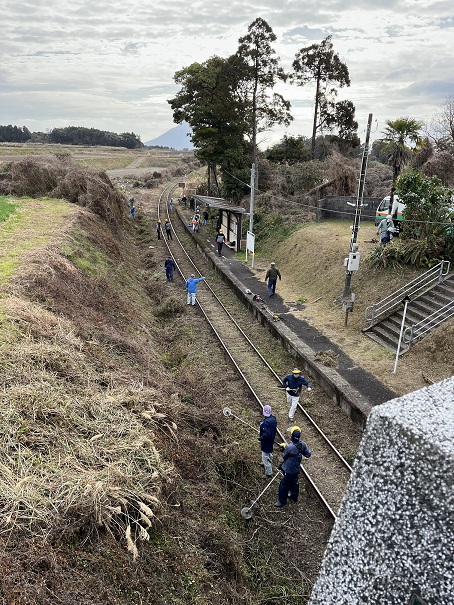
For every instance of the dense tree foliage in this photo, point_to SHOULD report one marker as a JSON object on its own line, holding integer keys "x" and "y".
{"x": 228, "y": 101}
{"x": 427, "y": 236}
{"x": 71, "y": 135}
{"x": 429, "y": 205}
{"x": 290, "y": 150}
{"x": 14, "y": 134}
{"x": 210, "y": 101}
{"x": 319, "y": 63}
{"x": 78, "y": 135}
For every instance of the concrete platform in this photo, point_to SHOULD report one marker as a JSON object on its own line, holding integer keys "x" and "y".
{"x": 354, "y": 389}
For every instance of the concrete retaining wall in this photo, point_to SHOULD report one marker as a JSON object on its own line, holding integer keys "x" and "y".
{"x": 394, "y": 535}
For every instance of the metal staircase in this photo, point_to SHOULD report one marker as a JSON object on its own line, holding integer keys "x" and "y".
{"x": 431, "y": 303}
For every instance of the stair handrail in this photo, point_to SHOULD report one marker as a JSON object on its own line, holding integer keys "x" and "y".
{"x": 417, "y": 286}
{"x": 415, "y": 331}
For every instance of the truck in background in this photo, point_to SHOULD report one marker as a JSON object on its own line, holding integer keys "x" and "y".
{"x": 383, "y": 210}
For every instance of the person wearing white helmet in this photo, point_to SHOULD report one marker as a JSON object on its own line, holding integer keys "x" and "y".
{"x": 293, "y": 383}
{"x": 271, "y": 276}
{"x": 385, "y": 230}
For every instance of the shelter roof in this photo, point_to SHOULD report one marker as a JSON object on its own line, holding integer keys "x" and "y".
{"x": 219, "y": 203}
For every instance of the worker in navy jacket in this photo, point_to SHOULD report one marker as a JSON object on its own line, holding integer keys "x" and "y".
{"x": 293, "y": 384}
{"x": 268, "y": 428}
{"x": 293, "y": 454}
{"x": 170, "y": 267}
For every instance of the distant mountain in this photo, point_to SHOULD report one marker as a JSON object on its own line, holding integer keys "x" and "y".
{"x": 177, "y": 138}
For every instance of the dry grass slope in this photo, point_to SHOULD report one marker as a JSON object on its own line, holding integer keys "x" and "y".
{"x": 118, "y": 481}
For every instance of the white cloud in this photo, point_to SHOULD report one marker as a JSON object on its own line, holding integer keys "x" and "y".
{"x": 109, "y": 64}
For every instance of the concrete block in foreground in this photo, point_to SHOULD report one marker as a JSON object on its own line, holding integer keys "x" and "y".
{"x": 394, "y": 536}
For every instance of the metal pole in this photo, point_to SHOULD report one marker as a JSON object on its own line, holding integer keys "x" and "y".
{"x": 359, "y": 199}
{"x": 251, "y": 207}
{"x": 406, "y": 300}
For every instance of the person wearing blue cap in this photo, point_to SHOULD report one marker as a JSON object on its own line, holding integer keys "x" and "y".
{"x": 268, "y": 428}
{"x": 293, "y": 454}
{"x": 191, "y": 287}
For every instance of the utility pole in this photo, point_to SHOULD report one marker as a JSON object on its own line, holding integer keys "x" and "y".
{"x": 352, "y": 262}
{"x": 251, "y": 206}
{"x": 250, "y": 239}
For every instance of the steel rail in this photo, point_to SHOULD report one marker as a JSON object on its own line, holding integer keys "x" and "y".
{"x": 250, "y": 387}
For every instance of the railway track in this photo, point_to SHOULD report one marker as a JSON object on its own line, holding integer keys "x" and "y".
{"x": 327, "y": 472}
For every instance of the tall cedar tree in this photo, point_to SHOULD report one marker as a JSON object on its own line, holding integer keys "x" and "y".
{"x": 318, "y": 63}
{"x": 260, "y": 70}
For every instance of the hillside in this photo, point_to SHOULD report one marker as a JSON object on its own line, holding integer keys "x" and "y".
{"x": 311, "y": 263}
{"x": 175, "y": 138}
{"x": 118, "y": 483}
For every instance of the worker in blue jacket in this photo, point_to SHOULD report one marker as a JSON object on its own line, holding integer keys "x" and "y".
{"x": 293, "y": 454}
{"x": 268, "y": 428}
{"x": 191, "y": 286}
{"x": 293, "y": 383}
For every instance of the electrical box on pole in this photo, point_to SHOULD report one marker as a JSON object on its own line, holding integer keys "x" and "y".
{"x": 351, "y": 263}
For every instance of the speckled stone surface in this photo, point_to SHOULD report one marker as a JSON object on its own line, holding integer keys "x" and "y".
{"x": 395, "y": 530}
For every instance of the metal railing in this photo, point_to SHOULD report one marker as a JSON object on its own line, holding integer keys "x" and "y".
{"x": 418, "y": 286}
{"x": 427, "y": 324}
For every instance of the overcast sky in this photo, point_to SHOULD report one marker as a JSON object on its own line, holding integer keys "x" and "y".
{"x": 109, "y": 64}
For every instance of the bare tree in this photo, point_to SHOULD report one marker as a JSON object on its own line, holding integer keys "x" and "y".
{"x": 441, "y": 128}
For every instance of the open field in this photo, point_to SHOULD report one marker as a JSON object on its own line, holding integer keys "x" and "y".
{"x": 96, "y": 159}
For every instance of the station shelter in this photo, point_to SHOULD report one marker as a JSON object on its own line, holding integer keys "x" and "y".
{"x": 230, "y": 218}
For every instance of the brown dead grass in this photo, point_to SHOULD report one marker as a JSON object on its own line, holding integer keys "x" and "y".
{"x": 119, "y": 481}
{"x": 59, "y": 176}
{"x": 311, "y": 263}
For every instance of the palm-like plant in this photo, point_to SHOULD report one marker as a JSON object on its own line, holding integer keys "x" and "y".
{"x": 398, "y": 136}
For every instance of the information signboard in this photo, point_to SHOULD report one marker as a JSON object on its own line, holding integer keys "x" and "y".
{"x": 250, "y": 243}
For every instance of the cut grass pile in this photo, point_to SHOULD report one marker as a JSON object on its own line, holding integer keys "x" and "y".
{"x": 61, "y": 177}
